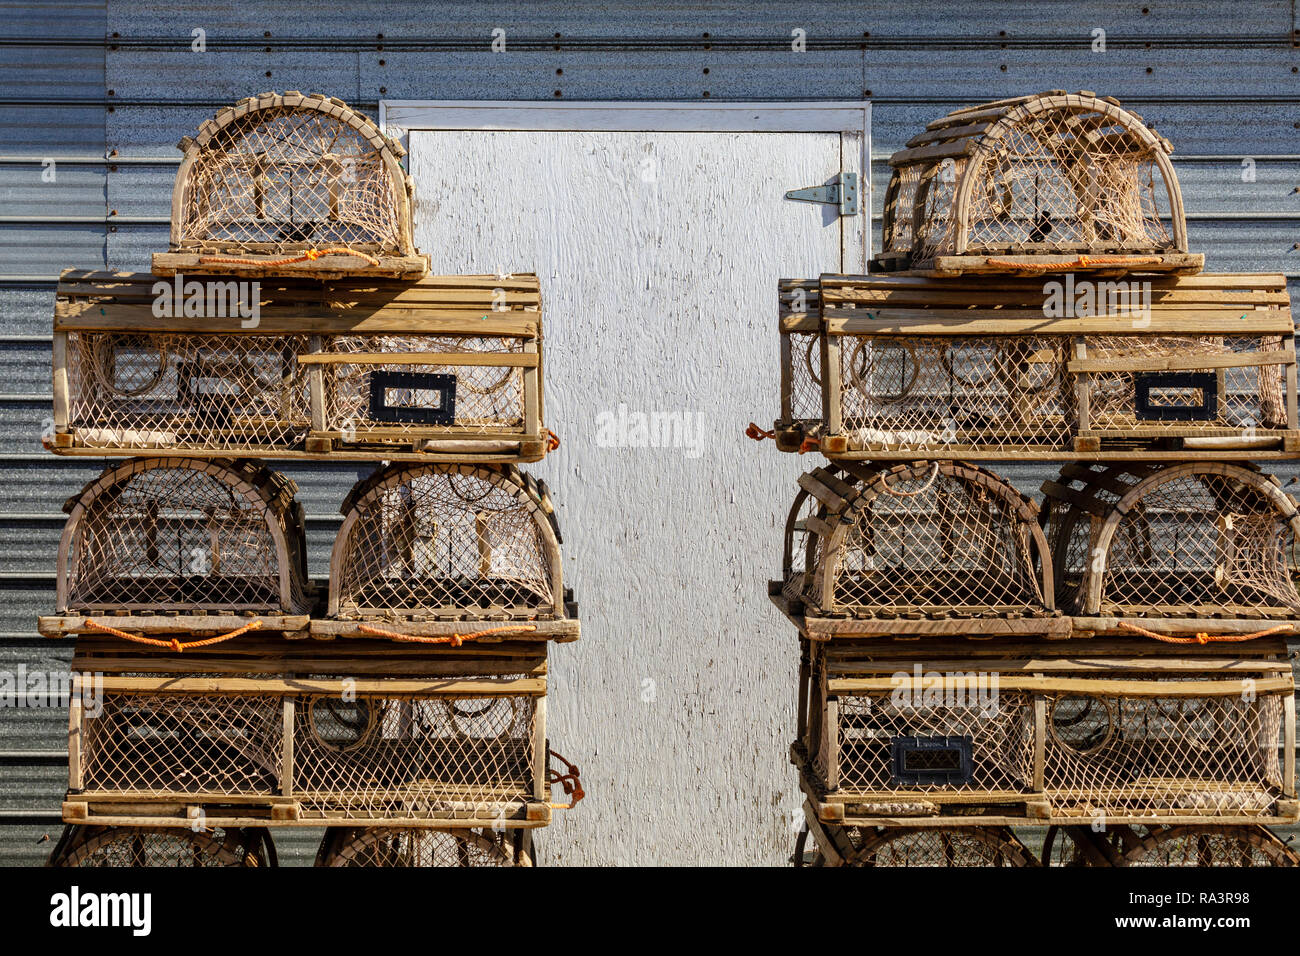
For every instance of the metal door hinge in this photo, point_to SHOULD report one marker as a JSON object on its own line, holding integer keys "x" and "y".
{"x": 842, "y": 192}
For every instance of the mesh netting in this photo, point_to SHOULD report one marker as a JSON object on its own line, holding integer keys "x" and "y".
{"x": 1211, "y": 846}
{"x": 932, "y": 538}
{"x": 1050, "y": 175}
{"x": 435, "y": 539}
{"x": 933, "y": 846}
{"x": 1210, "y": 540}
{"x": 158, "y": 847}
{"x": 403, "y": 757}
{"x": 160, "y": 743}
{"x": 805, "y": 377}
{"x": 185, "y": 535}
{"x": 1242, "y": 397}
{"x": 932, "y": 392}
{"x": 417, "y": 846}
{"x": 486, "y": 397}
{"x": 1211, "y": 756}
{"x": 287, "y": 178}
{"x": 900, "y": 196}
{"x": 146, "y": 390}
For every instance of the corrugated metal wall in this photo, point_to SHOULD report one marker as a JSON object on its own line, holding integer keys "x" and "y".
{"x": 106, "y": 89}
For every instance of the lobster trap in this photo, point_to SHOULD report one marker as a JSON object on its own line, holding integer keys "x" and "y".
{"x": 448, "y": 368}
{"x": 424, "y": 547}
{"x": 152, "y": 537}
{"x": 901, "y": 846}
{"x": 424, "y": 847}
{"x": 240, "y": 737}
{"x": 138, "y": 846}
{"x": 889, "y": 367}
{"x": 1052, "y": 182}
{"x": 283, "y": 184}
{"x": 1015, "y": 734}
{"x": 929, "y": 548}
{"x": 1190, "y": 547}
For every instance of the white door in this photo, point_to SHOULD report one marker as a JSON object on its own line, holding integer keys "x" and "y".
{"x": 659, "y": 254}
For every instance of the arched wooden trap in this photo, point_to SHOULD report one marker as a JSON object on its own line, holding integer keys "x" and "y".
{"x": 1198, "y": 540}
{"x": 447, "y": 542}
{"x": 184, "y": 535}
{"x": 901, "y": 846}
{"x": 1054, "y": 181}
{"x": 1211, "y": 846}
{"x": 284, "y": 184}
{"x": 423, "y": 847}
{"x": 128, "y": 846}
{"x": 942, "y": 540}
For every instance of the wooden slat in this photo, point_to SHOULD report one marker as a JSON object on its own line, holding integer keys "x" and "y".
{"x": 1092, "y": 687}
{"x": 494, "y": 359}
{"x": 1028, "y": 322}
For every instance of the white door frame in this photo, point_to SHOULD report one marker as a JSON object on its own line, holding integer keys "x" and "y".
{"x": 850, "y": 118}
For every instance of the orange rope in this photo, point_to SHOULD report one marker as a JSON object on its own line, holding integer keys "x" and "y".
{"x": 568, "y": 780}
{"x": 552, "y": 440}
{"x": 758, "y": 434}
{"x": 807, "y": 445}
{"x": 1203, "y": 638}
{"x": 455, "y": 640}
{"x": 1082, "y": 262}
{"x": 312, "y": 254}
{"x": 174, "y": 644}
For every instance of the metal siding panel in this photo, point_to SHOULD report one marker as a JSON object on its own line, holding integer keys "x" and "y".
{"x": 223, "y": 76}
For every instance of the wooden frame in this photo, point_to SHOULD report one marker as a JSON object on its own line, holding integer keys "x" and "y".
{"x": 1040, "y": 674}
{"x": 512, "y": 672}
{"x": 319, "y": 408}
{"x": 395, "y": 257}
{"x": 1051, "y": 387}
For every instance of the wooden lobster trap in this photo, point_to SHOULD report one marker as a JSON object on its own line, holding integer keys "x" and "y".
{"x": 1143, "y": 367}
{"x": 1184, "y": 548}
{"x": 1052, "y": 182}
{"x": 1016, "y": 733}
{"x": 928, "y": 548}
{"x": 248, "y": 735}
{"x": 432, "y": 550}
{"x": 282, "y": 184}
{"x": 182, "y": 546}
{"x": 445, "y": 369}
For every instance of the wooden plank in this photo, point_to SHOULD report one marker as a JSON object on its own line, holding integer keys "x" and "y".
{"x": 526, "y": 686}
{"x": 818, "y": 628}
{"x": 492, "y": 359}
{"x": 286, "y": 747}
{"x": 979, "y": 264}
{"x": 62, "y": 400}
{"x": 1091, "y": 687}
{"x": 1155, "y": 363}
{"x": 1028, "y": 322}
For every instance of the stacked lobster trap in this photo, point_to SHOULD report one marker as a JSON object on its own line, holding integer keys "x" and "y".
{"x": 220, "y": 691}
{"x": 1109, "y": 661}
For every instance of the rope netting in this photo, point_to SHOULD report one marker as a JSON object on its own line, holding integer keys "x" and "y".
{"x": 285, "y": 179}
{"x": 419, "y": 846}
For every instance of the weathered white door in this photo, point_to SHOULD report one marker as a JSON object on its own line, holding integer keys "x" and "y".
{"x": 659, "y": 254}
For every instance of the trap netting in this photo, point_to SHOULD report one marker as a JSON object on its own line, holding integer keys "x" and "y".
{"x": 954, "y": 736}
{"x": 183, "y": 534}
{"x": 938, "y": 392}
{"x": 1211, "y": 846}
{"x": 174, "y": 390}
{"x": 799, "y": 307}
{"x": 1208, "y": 754}
{"x": 936, "y": 846}
{"x": 86, "y": 846}
{"x": 397, "y": 757}
{"x": 162, "y": 743}
{"x": 276, "y": 175}
{"x": 931, "y": 537}
{"x": 408, "y": 399}
{"x": 1043, "y": 175}
{"x": 441, "y": 539}
{"x": 1232, "y": 402}
{"x": 418, "y": 847}
{"x": 1199, "y": 539}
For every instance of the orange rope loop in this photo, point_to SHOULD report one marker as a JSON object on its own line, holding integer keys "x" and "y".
{"x": 455, "y": 640}
{"x": 758, "y": 434}
{"x": 569, "y": 780}
{"x": 552, "y": 440}
{"x": 310, "y": 254}
{"x": 174, "y": 644}
{"x": 1083, "y": 262}
{"x": 1203, "y": 638}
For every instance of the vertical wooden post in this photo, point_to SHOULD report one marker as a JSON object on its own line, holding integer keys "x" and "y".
{"x": 532, "y": 393}
{"x": 1040, "y": 741}
{"x": 541, "y": 789}
{"x": 316, "y": 385}
{"x": 787, "y": 378}
{"x": 76, "y": 726}
{"x": 832, "y": 414}
{"x": 62, "y": 399}
{"x": 832, "y": 732}
{"x": 286, "y": 766}
{"x": 1082, "y": 390}
{"x": 1288, "y": 745}
{"x": 1288, "y": 343}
